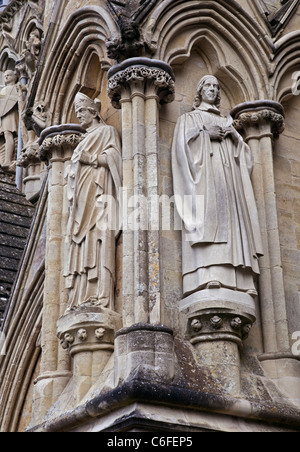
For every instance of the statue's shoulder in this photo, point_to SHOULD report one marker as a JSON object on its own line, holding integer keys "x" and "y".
{"x": 190, "y": 118}
{"x": 106, "y": 133}
{"x": 101, "y": 128}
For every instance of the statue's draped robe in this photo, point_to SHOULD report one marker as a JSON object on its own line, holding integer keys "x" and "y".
{"x": 214, "y": 197}
{"x": 93, "y": 219}
{"x": 9, "y": 109}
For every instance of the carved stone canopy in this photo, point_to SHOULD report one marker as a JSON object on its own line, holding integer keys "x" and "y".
{"x": 141, "y": 70}
{"x": 57, "y": 137}
{"x": 260, "y": 112}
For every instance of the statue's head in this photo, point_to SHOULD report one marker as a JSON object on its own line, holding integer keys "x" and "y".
{"x": 10, "y": 77}
{"x": 208, "y": 90}
{"x": 87, "y": 110}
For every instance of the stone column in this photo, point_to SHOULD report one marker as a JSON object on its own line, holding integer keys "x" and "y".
{"x": 139, "y": 86}
{"x": 57, "y": 145}
{"x": 261, "y": 122}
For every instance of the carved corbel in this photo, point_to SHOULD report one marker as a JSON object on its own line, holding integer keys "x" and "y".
{"x": 36, "y": 118}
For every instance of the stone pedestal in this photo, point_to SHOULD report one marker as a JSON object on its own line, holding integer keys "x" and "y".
{"x": 216, "y": 321}
{"x": 88, "y": 334}
{"x": 145, "y": 352}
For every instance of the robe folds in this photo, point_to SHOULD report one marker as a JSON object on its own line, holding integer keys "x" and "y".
{"x": 9, "y": 116}
{"x": 93, "y": 226}
{"x": 215, "y": 200}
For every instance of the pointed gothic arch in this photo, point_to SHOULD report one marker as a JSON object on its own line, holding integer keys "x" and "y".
{"x": 81, "y": 42}
{"x": 177, "y": 27}
{"x": 287, "y": 63}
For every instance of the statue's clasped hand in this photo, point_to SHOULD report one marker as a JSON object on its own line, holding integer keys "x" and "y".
{"x": 218, "y": 133}
{"x": 86, "y": 159}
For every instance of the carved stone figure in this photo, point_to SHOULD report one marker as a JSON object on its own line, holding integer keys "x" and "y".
{"x": 27, "y": 63}
{"x": 94, "y": 180}
{"x": 212, "y": 166}
{"x": 9, "y": 97}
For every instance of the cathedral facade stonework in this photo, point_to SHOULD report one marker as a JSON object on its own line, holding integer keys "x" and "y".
{"x": 149, "y": 216}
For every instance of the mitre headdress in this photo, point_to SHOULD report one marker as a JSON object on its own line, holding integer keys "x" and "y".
{"x": 81, "y": 100}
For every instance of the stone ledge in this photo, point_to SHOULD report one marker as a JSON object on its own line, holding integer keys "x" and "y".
{"x": 146, "y": 327}
{"x": 173, "y": 396}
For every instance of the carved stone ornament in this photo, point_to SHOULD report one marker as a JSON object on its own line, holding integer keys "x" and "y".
{"x": 82, "y": 334}
{"x": 277, "y": 13}
{"x": 129, "y": 15}
{"x": 88, "y": 329}
{"x": 29, "y": 155}
{"x": 36, "y": 118}
{"x": 27, "y": 63}
{"x": 140, "y": 70}
{"x": 130, "y": 45}
{"x": 99, "y": 333}
{"x": 254, "y": 114}
{"x": 67, "y": 340}
{"x": 57, "y": 137}
{"x": 210, "y": 326}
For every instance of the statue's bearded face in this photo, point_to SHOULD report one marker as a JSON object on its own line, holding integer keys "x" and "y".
{"x": 85, "y": 116}
{"x": 210, "y": 91}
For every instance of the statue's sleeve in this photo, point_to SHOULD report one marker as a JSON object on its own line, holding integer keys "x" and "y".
{"x": 112, "y": 150}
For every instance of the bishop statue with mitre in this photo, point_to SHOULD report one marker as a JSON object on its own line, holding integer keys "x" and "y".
{"x": 94, "y": 182}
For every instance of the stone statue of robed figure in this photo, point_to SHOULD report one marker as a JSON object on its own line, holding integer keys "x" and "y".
{"x": 212, "y": 166}
{"x": 9, "y": 122}
{"x": 94, "y": 181}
